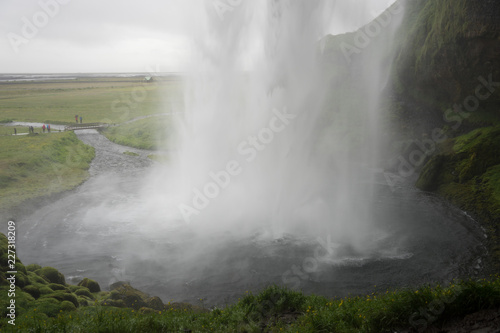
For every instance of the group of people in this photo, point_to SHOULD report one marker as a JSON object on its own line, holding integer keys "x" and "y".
{"x": 31, "y": 129}
{"x": 76, "y": 119}
{"x": 46, "y": 128}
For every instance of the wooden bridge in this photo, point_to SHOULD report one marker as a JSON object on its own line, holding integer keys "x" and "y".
{"x": 76, "y": 127}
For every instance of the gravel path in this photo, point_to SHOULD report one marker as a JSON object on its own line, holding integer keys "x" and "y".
{"x": 110, "y": 157}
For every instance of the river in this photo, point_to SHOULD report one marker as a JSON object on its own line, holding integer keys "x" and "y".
{"x": 104, "y": 231}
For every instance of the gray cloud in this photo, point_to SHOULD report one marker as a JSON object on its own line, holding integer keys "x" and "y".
{"x": 108, "y": 35}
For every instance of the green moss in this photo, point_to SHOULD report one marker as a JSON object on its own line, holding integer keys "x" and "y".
{"x": 33, "y": 267}
{"x": 117, "y": 303}
{"x": 492, "y": 178}
{"x": 49, "y": 306}
{"x": 73, "y": 288}
{"x": 45, "y": 290}
{"x": 92, "y": 285}
{"x": 62, "y": 296}
{"x": 469, "y": 176}
{"x": 56, "y": 286}
{"x": 429, "y": 177}
{"x": 34, "y": 278}
{"x": 51, "y": 275}
{"x": 33, "y": 291}
{"x": 84, "y": 292}
{"x": 22, "y": 280}
{"x": 83, "y": 301}
{"x": 67, "y": 306}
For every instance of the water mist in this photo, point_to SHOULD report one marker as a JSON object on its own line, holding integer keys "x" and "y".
{"x": 263, "y": 148}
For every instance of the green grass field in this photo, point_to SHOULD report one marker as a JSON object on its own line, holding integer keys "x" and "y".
{"x": 38, "y": 165}
{"x": 96, "y": 100}
{"x": 149, "y": 133}
{"x": 9, "y": 130}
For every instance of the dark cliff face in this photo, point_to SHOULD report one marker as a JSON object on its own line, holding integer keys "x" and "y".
{"x": 445, "y": 47}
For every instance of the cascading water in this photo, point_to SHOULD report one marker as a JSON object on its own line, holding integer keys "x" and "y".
{"x": 263, "y": 148}
{"x": 273, "y": 175}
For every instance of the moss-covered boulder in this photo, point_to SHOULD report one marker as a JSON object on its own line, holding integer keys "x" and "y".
{"x": 115, "y": 303}
{"x": 56, "y": 286}
{"x": 49, "y": 306}
{"x": 22, "y": 280}
{"x": 83, "y": 301}
{"x": 155, "y": 303}
{"x": 44, "y": 290}
{"x": 145, "y": 310}
{"x": 132, "y": 297}
{"x": 67, "y": 306}
{"x": 33, "y": 291}
{"x": 34, "y": 278}
{"x": 84, "y": 292}
{"x": 51, "y": 275}
{"x": 61, "y": 295}
{"x": 92, "y": 285}
{"x": 33, "y": 267}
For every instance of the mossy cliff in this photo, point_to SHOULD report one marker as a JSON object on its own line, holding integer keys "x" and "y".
{"x": 467, "y": 173}
{"x": 447, "y": 77}
{"x": 445, "y": 50}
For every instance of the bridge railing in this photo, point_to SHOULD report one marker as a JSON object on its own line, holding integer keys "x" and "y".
{"x": 85, "y": 126}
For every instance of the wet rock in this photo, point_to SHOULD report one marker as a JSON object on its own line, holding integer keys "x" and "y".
{"x": 117, "y": 285}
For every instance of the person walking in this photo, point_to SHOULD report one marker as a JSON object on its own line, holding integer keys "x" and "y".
{"x": 76, "y": 118}
{"x": 43, "y": 128}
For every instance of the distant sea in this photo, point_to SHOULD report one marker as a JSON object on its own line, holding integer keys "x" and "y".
{"x": 73, "y": 76}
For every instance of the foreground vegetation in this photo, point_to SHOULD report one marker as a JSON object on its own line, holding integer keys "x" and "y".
{"x": 45, "y": 303}
{"x": 39, "y": 165}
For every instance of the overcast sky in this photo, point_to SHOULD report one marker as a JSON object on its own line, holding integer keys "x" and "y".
{"x": 68, "y": 36}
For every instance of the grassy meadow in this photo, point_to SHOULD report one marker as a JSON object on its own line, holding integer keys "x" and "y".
{"x": 110, "y": 100}
{"x": 148, "y": 133}
{"x": 32, "y": 166}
